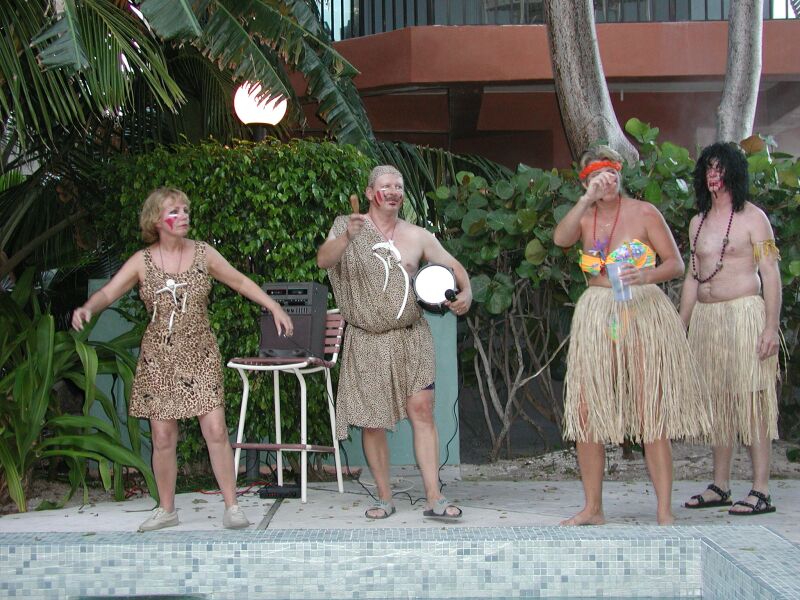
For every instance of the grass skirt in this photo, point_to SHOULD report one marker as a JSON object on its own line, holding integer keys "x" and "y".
{"x": 630, "y": 372}
{"x": 741, "y": 388}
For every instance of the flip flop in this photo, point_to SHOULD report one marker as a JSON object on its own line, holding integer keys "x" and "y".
{"x": 439, "y": 510}
{"x": 762, "y": 506}
{"x": 724, "y": 499}
{"x": 387, "y": 508}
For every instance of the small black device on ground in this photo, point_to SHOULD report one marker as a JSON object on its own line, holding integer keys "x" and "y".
{"x": 273, "y": 490}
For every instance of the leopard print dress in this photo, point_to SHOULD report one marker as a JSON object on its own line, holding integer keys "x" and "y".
{"x": 179, "y": 374}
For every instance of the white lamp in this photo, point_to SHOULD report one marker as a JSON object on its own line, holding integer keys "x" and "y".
{"x": 250, "y": 111}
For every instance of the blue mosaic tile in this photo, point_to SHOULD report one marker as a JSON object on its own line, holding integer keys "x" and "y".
{"x": 611, "y": 561}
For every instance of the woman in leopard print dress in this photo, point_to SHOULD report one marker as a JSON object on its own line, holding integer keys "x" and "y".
{"x": 179, "y": 374}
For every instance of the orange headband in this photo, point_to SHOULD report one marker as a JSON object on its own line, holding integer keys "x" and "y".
{"x": 597, "y": 165}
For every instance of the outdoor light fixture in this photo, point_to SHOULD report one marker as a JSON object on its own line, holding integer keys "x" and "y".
{"x": 250, "y": 111}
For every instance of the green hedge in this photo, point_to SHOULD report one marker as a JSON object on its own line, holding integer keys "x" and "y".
{"x": 266, "y": 207}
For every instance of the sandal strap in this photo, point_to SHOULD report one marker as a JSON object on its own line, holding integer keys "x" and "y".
{"x": 719, "y": 492}
{"x": 382, "y": 504}
{"x": 752, "y": 507}
{"x": 442, "y": 504}
{"x": 761, "y": 496}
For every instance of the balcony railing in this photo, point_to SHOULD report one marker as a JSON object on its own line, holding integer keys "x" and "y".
{"x": 355, "y": 18}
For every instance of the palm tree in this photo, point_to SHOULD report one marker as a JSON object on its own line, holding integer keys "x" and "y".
{"x": 80, "y": 79}
{"x": 62, "y": 61}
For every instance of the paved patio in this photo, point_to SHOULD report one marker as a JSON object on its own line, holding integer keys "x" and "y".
{"x": 485, "y": 504}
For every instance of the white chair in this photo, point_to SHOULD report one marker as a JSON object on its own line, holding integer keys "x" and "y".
{"x": 299, "y": 367}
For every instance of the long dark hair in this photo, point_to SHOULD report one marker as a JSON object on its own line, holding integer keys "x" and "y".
{"x": 732, "y": 161}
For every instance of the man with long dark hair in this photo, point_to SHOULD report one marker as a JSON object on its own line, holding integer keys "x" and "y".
{"x": 731, "y": 303}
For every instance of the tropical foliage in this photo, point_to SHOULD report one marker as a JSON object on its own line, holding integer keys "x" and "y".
{"x": 66, "y": 64}
{"x": 84, "y": 80}
{"x": 525, "y": 288}
{"x": 37, "y": 363}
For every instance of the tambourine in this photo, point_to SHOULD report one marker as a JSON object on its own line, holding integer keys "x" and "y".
{"x": 433, "y": 284}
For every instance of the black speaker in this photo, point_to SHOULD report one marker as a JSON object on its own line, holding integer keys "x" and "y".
{"x": 306, "y": 303}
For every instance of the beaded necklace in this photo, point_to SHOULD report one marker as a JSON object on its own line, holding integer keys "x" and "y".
{"x": 693, "y": 249}
{"x": 604, "y": 251}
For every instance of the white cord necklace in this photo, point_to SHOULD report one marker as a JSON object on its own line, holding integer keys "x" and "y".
{"x": 387, "y": 264}
{"x": 171, "y": 287}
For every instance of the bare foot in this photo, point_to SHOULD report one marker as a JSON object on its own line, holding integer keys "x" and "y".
{"x": 666, "y": 519}
{"x": 585, "y": 517}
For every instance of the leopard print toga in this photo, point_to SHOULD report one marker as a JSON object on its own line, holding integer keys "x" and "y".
{"x": 179, "y": 373}
{"x": 388, "y": 352}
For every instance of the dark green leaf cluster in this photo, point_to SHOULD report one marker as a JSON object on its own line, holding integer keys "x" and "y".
{"x": 35, "y": 360}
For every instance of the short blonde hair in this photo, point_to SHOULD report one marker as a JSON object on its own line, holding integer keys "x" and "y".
{"x": 600, "y": 153}
{"x": 380, "y": 171}
{"x": 152, "y": 207}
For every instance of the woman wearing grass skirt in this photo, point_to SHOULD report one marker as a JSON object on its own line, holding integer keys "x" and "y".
{"x": 629, "y": 368}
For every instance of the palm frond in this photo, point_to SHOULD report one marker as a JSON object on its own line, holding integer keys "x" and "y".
{"x": 71, "y": 86}
{"x": 35, "y": 98}
{"x": 339, "y": 103}
{"x": 65, "y": 47}
{"x": 122, "y": 59}
{"x": 171, "y": 18}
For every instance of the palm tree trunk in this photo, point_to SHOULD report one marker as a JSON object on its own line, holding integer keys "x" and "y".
{"x": 583, "y": 98}
{"x": 737, "y": 109}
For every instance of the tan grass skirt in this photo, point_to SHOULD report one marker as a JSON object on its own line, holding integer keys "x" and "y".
{"x": 741, "y": 388}
{"x": 630, "y": 372}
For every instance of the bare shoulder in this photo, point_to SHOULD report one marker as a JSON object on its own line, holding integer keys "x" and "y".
{"x": 415, "y": 231}
{"x": 755, "y": 219}
{"x": 136, "y": 259}
{"x": 644, "y": 210}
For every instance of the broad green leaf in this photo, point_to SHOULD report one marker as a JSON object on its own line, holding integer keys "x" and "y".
{"x": 535, "y": 252}
{"x": 489, "y": 253}
{"x": 500, "y": 300}
{"x": 477, "y": 200}
{"x": 480, "y": 287}
{"x": 503, "y": 189}
{"x": 527, "y": 219}
{"x": 527, "y": 270}
{"x": 474, "y": 222}
{"x": 560, "y": 211}
{"x": 652, "y": 193}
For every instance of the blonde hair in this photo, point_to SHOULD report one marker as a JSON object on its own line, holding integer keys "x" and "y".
{"x": 152, "y": 207}
{"x": 380, "y": 171}
{"x": 600, "y": 153}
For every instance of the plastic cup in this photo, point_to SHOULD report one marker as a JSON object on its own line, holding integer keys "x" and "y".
{"x": 622, "y": 292}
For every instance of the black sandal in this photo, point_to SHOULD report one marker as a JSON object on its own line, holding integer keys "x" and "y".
{"x": 724, "y": 499}
{"x": 762, "y": 506}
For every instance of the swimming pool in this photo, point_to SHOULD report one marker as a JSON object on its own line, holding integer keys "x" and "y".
{"x": 708, "y": 562}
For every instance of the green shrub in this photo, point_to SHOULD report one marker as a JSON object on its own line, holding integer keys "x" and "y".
{"x": 524, "y": 287}
{"x": 266, "y": 207}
